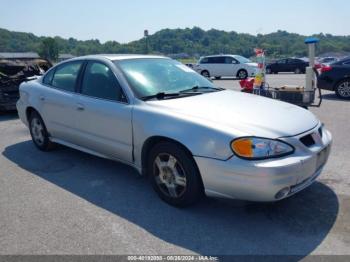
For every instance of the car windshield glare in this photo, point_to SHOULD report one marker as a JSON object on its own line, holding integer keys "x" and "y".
{"x": 150, "y": 76}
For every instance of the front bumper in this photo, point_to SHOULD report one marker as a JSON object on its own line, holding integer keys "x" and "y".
{"x": 262, "y": 180}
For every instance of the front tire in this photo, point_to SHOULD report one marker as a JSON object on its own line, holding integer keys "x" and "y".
{"x": 38, "y": 132}
{"x": 174, "y": 175}
{"x": 342, "y": 89}
{"x": 205, "y": 73}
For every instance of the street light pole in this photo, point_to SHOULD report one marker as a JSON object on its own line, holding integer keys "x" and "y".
{"x": 146, "y": 38}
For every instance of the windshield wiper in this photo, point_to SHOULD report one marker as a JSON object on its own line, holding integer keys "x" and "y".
{"x": 197, "y": 88}
{"x": 192, "y": 91}
{"x": 160, "y": 96}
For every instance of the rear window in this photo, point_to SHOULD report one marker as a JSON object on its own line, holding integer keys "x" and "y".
{"x": 66, "y": 76}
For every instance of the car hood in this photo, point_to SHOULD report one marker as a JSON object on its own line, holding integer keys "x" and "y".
{"x": 252, "y": 64}
{"x": 241, "y": 113}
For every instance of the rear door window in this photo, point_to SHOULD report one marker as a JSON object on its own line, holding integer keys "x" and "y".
{"x": 66, "y": 76}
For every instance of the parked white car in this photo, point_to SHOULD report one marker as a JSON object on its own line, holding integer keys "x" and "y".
{"x": 226, "y": 66}
{"x": 173, "y": 125}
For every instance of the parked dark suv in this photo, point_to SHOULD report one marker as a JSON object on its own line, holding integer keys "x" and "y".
{"x": 336, "y": 77}
{"x": 295, "y": 65}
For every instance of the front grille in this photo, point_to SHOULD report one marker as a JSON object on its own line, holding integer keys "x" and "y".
{"x": 308, "y": 140}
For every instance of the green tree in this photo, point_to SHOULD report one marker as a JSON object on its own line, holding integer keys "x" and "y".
{"x": 195, "y": 42}
{"x": 49, "y": 49}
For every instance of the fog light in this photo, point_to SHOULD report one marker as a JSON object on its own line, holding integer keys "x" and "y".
{"x": 282, "y": 193}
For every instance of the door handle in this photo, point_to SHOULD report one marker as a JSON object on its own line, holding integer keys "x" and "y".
{"x": 42, "y": 98}
{"x": 80, "y": 107}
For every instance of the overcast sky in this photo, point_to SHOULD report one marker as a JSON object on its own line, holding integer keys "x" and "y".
{"x": 124, "y": 21}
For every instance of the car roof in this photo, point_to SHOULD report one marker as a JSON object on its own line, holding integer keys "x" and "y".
{"x": 219, "y": 55}
{"x": 114, "y": 57}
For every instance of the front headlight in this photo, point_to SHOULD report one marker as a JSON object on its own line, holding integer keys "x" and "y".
{"x": 255, "y": 148}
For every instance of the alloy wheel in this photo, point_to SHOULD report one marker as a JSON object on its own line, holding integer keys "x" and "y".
{"x": 344, "y": 89}
{"x": 170, "y": 175}
{"x": 37, "y": 131}
{"x": 297, "y": 71}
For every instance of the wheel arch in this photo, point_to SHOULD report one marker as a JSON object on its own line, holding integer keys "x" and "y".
{"x": 151, "y": 142}
{"x": 339, "y": 81}
{"x": 29, "y": 111}
{"x": 154, "y": 140}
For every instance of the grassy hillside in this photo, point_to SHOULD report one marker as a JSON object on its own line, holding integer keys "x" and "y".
{"x": 193, "y": 42}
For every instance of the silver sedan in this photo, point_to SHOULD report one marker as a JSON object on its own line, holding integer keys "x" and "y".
{"x": 171, "y": 124}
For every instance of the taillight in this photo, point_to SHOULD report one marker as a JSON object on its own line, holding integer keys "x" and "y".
{"x": 326, "y": 68}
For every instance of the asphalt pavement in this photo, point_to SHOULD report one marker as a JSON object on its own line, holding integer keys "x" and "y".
{"x": 69, "y": 202}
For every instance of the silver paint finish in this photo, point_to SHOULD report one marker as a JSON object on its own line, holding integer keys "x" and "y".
{"x": 205, "y": 124}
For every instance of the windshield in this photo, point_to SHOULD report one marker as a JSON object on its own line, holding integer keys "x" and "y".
{"x": 242, "y": 59}
{"x": 150, "y": 76}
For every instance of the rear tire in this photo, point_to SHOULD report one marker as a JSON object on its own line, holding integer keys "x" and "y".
{"x": 242, "y": 74}
{"x": 342, "y": 89}
{"x": 297, "y": 71}
{"x": 174, "y": 175}
{"x": 38, "y": 132}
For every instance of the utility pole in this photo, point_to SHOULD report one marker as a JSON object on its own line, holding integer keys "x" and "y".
{"x": 146, "y": 38}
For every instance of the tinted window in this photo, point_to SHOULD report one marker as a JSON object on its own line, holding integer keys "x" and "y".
{"x": 66, "y": 76}
{"x": 99, "y": 81}
{"x": 48, "y": 77}
{"x": 283, "y": 61}
{"x": 211, "y": 60}
{"x": 217, "y": 60}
